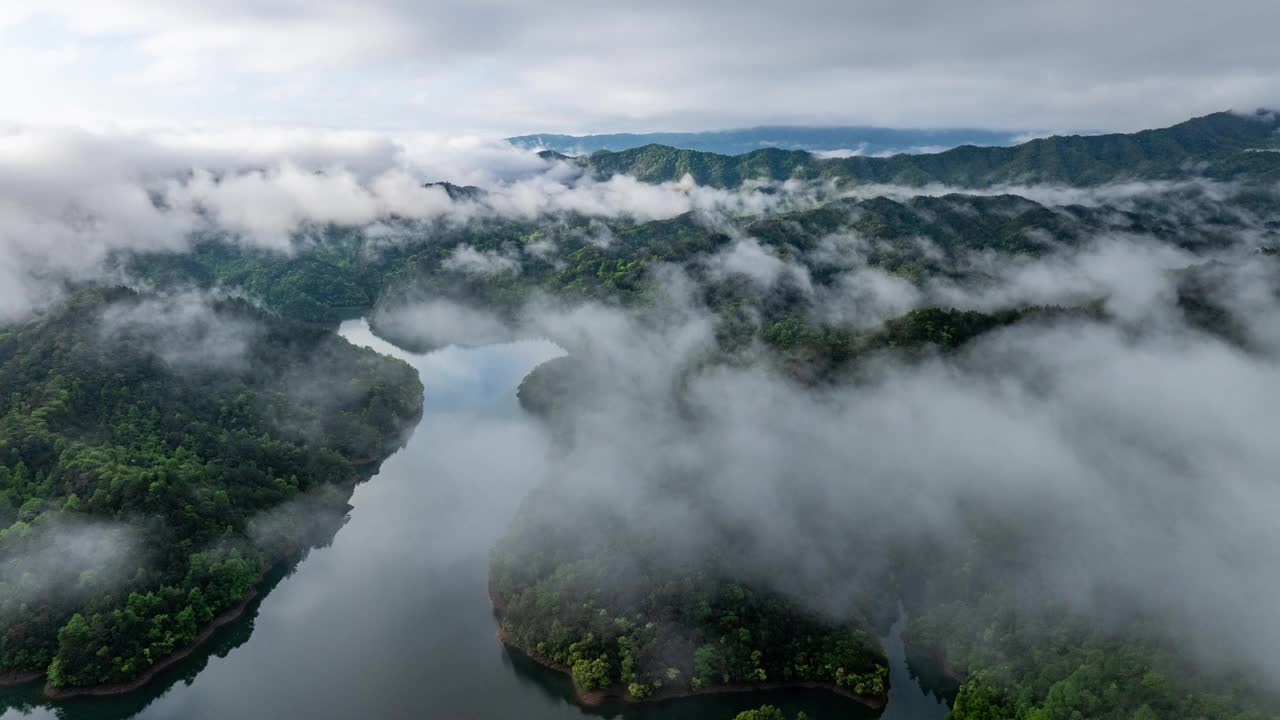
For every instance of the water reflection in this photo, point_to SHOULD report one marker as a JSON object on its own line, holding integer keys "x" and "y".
{"x": 908, "y": 697}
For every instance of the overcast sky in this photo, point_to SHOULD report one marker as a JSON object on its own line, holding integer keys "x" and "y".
{"x": 513, "y": 66}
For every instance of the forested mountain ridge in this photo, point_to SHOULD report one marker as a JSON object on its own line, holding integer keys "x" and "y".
{"x": 920, "y": 239}
{"x": 333, "y": 274}
{"x": 176, "y": 462}
{"x": 1223, "y": 145}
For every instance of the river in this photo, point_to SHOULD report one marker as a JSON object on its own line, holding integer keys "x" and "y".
{"x": 391, "y": 620}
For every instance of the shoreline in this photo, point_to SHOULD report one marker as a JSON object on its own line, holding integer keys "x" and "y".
{"x": 231, "y": 614}
{"x": 938, "y": 657}
{"x": 593, "y": 698}
{"x": 14, "y": 679}
{"x": 366, "y": 468}
{"x": 226, "y": 616}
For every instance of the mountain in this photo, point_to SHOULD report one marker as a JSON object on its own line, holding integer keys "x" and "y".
{"x": 860, "y": 140}
{"x": 1222, "y": 146}
{"x": 457, "y": 192}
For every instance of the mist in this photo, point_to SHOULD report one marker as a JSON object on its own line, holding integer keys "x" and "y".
{"x": 66, "y": 556}
{"x": 1128, "y": 461}
{"x": 183, "y": 329}
{"x": 62, "y": 219}
{"x": 1127, "y": 458}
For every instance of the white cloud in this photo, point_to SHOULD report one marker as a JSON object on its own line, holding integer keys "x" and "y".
{"x": 1127, "y": 464}
{"x": 514, "y": 67}
{"x": 438, "y": 323}
{"x": 762, "y": 265}
{"x": 840, "y": 153}
{"x": 467, "y": 259}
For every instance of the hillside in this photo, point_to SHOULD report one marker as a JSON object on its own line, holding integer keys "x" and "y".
{"x": 1221, "y": 145}
{"x": 154, "y": 464}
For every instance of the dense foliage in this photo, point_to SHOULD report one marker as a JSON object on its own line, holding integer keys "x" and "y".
{"x": 618, "y": 614}
{"x": 147, "y": 479}
{"x": 1049, "y": 665}
{"x": 1053, "y": 663}
{"x": 550, "y": 384}
{"x": 766, "y": 712}
{"x": 1224, "y": 141}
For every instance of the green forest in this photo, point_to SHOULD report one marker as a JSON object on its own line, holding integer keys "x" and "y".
{"x": 611, "y": 609}
{"x": 333, "y": 275}
{"x": 162, "y": 468}
{"x": 1224, "y": 141}
{"x": 558, "y": 594}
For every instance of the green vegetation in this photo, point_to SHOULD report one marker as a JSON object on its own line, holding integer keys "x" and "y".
{"x": 766, "y": 712}
{"x": 1224, "y": 141}
{"x": 618, "y": 615}
{"x": 327, "y": 284}
{"x": 547, "y": 386}
{"x": 576, "y": 595}
{"x": 1057, "y": 664}
{"x": 141, "y": 496}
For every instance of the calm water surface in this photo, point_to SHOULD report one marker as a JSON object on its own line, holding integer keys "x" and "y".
{"x": 392, "y": 619}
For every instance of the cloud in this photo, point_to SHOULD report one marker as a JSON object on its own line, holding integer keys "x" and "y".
{"x": 865, "y": 298}
{"x": 1124, "y": 195}
{"x": 565, "y": 189}
{"x": 1134, "y": 278}
{"x": 437, "y": 323}
{"x": 62, "y": 219}
{"x": 267, "y": 207}
{"x": 1131, "y": 465}
{"x": 840, "y": 153}
{"x": 183, "y": 329}
{"x": 1133, "y": 275}
{"x": 514, "y": 67}
{"x": 747, "y": 257}
{"x": 468, "y": 260}
{"x": 64, "y": 556}
{"x": 310, "y": 519}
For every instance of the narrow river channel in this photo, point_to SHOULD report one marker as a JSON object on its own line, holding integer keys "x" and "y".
{"x": 391, "y": 620}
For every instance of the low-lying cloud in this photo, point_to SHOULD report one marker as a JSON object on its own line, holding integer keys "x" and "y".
{"x": 62, "y": 216}
{"x": 183, "y": 329}
{"x": 1130, "y": 463}
{"x": 436, "y": 323}
{"x": 65, "y": 556}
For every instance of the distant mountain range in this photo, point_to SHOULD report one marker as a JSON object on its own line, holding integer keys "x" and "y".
{"x": 854, "y": 140}
{"x": 1221, "y": 146}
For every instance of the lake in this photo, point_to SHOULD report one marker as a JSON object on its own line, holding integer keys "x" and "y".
{"x": 392, "y": 620}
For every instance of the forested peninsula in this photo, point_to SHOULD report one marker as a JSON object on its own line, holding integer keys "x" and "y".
{"x": 146, "y": 486}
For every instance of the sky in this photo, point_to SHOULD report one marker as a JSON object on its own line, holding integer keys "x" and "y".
{"x": 497, "y": 67}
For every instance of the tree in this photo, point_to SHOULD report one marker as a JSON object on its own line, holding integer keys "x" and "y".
{"x": 765, "y": 712}
{"x": 592, "y": 674}
{"x": 977, "y": 701}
